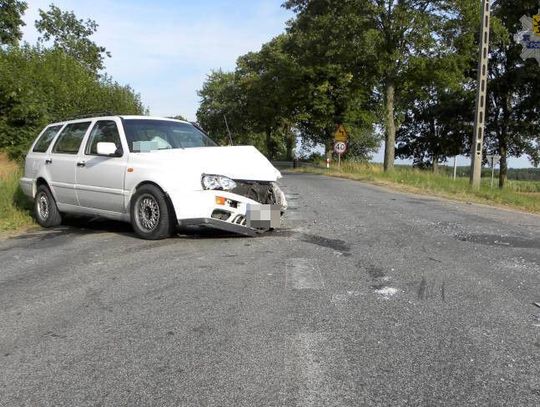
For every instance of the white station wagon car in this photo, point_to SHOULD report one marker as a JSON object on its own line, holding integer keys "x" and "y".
{"x": 155, "y": 173}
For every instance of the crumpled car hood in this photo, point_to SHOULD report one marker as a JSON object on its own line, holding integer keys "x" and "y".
{"x": 236, "y": 162}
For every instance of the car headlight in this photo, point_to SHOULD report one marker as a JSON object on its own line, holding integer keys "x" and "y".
{"x": 217, "y": 182}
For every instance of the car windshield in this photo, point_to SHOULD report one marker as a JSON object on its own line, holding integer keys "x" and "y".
{"x": 149, "y": 135}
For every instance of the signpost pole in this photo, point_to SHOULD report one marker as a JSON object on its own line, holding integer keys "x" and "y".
{"x": 478, "y": 138}
{"x": 340, "y": 142}
{"x": 455, "y": 167}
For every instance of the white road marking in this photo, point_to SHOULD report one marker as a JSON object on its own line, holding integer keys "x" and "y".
{"x": 320, "y": 366}
{"x": 387, "y": 292}
{"x": 341, "y": 300}
{"x": 308, "y": 345}
{"x": 293, "y": 216}
{"x": 302, "y": 274}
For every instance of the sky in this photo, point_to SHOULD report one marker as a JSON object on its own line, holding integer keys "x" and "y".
{"x": 164, "y": 49}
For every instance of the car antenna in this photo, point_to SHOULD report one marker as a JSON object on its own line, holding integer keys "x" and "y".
{"x": 228, "y": 131}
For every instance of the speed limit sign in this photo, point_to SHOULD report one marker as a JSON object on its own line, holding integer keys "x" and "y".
{"x": 340, "y": 147}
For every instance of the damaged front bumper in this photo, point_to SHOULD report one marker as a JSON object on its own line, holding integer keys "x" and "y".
{"x": 230, "y": 211}
{"x": 225, "y": 226}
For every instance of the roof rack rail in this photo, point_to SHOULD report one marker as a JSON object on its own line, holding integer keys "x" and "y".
{"x": 93, "y": 114}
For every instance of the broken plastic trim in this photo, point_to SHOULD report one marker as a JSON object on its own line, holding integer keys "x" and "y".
{"x": 220, "y": 225}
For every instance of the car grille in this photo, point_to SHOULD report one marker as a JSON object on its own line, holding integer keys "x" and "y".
{"x": 261, "y": 192}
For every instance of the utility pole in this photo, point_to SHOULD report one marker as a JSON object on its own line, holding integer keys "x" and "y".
{"x": 481, "y": 98}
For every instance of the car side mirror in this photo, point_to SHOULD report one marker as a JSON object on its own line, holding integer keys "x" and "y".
{"x": 108, "y": 149}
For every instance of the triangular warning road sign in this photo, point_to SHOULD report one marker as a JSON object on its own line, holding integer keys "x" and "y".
{"x": 341, "y": 134}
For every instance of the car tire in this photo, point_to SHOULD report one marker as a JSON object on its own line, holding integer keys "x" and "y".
{"x": 45, "y": 210}
{"x": 150, "y": 213}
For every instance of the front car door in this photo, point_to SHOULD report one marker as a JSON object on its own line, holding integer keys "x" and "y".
{"x": 100, "y": 179}
{"x": 62, "y": 162}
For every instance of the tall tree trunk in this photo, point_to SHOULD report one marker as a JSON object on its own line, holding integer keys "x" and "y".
{"x": 503, "y": 165}
{"x": 390, "y": 126}
{"x": 329, "y": 145}
{"x": 289, "y": 147}
{"x": 269, "y": 149}
{"x": 503, "y": 144}
{"x": 290, "y": 143}
{"x": 435, "y": 163}
{"x": 434, "y": 149}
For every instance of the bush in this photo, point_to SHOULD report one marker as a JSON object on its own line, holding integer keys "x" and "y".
{"x": 40, "y": 86}
{"x": 15, "y": 208}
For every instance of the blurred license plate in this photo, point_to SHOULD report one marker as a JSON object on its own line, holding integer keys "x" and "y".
{"x": 263, "y": 216}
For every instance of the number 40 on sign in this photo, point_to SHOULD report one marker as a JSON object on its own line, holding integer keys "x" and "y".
{"x": 340, "y": 147}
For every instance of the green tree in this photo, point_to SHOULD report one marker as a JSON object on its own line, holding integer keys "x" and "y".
{"x": 40, "y": 86}
{"x": 382, "y": 36}
{"x": 439, "y": 97}
{"x": 435, "y": 128}
{"x": 336, "y": 76}
{"x": 11, "y": 12}
{"x": 271, "y": 84}
{"x": 221, "y": 99}
{"x": 72, "y": 35}
{"x": 512, "y": 124}
{"x": 282, "y": 92}
{"x": 252, "y": 102}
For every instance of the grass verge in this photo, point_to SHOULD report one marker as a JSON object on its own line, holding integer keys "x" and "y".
{"x": 15, "y": 208}
{"x": 522, "y": 195}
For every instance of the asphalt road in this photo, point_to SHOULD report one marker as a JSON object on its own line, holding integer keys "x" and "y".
{"x": 364, "y": 297}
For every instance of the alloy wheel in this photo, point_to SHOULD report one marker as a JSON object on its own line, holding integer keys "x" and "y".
{"x": 43, "y": 206}
{"x": 148, "y": 213}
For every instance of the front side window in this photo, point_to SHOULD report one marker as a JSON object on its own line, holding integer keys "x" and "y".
{"x": 71, "y": 138}
{"x": 147, "y": 135}
{"x": 104, "y": 131}
{"x": 42, "y": 145}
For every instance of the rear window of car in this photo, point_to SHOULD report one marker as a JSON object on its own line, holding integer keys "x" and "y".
{"x": 42, "y": 145}
{"x": 71, "y": 138}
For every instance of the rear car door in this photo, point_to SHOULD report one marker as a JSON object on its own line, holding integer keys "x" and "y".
{"x": 38, "y": 156}
{"x": 62, "y": 162}
{"x": 100, "y": 179}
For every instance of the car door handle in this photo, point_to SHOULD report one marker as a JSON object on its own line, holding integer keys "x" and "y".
{"x": 48, "y": 161}
{"x": 81, "y": 164}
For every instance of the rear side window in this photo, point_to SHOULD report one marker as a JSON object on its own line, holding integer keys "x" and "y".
{"x": 42, "y": 145}
{"x": 71, "y": 137}
{"x": 104, "y": 131}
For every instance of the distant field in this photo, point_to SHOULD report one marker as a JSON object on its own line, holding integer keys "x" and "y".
{"x": 14, "y": 208}
{"x": 521, "y": 174}
{"x": 524, "y": 195}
